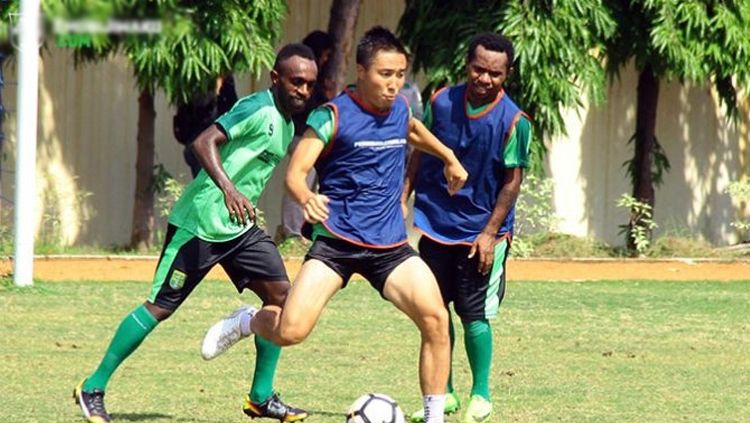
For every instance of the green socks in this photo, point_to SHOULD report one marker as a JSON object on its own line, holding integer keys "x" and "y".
{"x": 267, "y": 356}
{"x": 132, "y": 331}
{"x": 478, "y": 341}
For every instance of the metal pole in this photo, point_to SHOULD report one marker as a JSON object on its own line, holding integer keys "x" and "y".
{"x": 28, "y": 91}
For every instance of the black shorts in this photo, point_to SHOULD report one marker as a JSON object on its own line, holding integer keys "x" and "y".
{"x": 345, "y": 258}
{"x": 475, "y": 296}
{"x": 186, "y": 259}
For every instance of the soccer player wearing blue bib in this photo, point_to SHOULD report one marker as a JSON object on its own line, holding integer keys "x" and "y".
{"x": 357, "y": 143}
{"x": 466, "y": 236}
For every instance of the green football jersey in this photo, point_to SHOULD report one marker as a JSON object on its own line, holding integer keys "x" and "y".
{"x": 258, "y": 136}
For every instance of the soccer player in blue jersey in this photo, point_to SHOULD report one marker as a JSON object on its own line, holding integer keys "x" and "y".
{"x": 357, "y": 143}
{"x": 466, "y": 236}
{"x": 213, "y": 223}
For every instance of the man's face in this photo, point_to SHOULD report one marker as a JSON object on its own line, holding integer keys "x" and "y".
{"x": 380, "y": 83}
{"x": 487, "y": 73}
{"x": 294, "y": 83}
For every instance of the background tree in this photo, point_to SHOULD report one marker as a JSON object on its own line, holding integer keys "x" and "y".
{"x": 6, "y": 51}
{"x": 198, "y": 42}
{"x": 341, "y": 24}
{"x": 557, "y": 45}
{"x": 701, "y": 41}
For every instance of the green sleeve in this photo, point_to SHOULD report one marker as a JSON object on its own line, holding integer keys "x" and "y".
{"x": 321, "y": 120}
{"x": 427, "y": 116}
{"x": 516, "y": 152}
{"x": 243, "y": 121}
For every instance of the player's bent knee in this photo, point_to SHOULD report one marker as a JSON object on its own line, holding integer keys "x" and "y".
{"x": 292, "y": 329}
{"x": 291, "y": 336}
{"x": 273, "y": 293}
{"x": 434, "y": 324}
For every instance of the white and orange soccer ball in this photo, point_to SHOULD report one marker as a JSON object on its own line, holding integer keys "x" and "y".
{"x": 374, "y": 408}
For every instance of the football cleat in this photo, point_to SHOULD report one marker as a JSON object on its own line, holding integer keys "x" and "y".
{"x": 273, "y": 408}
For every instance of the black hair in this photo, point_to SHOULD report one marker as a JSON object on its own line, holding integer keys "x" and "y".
{"x": 319, "y": 42}
{"x": 493, "y": 42}
{"x": 291, "y": 50}
{"x": 378, "y": 39}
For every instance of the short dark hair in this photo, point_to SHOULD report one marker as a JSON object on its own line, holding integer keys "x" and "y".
{"x": 291, "y": 50}
{"x": 493, "y": 42}
{"x": 319, "y": 42}
{"x": 378, "y": 39}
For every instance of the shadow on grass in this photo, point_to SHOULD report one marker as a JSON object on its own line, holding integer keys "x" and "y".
{"x": 327, "y": 413}
{"x": 139, "y": 417}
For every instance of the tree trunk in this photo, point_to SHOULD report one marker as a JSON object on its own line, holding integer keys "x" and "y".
{"x": 341, "y": 23}
{"x": 143, "y": 206}
{"x": 645, "y": 140}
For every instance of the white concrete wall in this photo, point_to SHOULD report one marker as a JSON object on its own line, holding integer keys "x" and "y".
{"x": 87, "y": 144}
{"x": 706, "y": 152}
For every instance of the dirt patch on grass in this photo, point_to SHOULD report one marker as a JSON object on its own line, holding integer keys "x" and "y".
{"x": 119, "y": 268}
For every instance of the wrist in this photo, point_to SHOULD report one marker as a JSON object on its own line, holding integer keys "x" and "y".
{"x": 227, "y": 187}
{"x": 306, "y": 197}
{"x": 450, "y": 158}
{"x": 492, "y": 232}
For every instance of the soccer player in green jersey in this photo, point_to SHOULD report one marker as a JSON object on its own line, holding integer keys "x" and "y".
{"x": 213, "y": 223}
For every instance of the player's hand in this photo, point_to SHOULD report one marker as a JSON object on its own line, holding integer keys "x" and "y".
{"x": 241, "y": 211}
{"x": 456, "y": 176}
{"x": 315, "y": 209}
{"x": 484, "y": 244}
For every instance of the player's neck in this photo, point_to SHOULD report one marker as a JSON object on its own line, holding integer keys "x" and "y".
{"x": 479, "y": 102}
{"x": 279, "y": 105}
{"x": 358, "y": 96}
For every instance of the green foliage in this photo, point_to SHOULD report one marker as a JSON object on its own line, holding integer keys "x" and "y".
{"x": 198, "y": 42}
{"x": 740, "y": 193}
{"x": 534, "y": 213}
{"x": 660, "y": 163}
{"x": 676, "y": 244}
{"x": 168, "y": 190}
{"x": 693, "y": 40}
{"x": 640, "y": 226}
{"x": 557, "y": 47}
{"x": 6, "y": 229}
{"x": 8, "y": 17}
{"x": 294, "y": 247}
{"x": 557, "y": 245}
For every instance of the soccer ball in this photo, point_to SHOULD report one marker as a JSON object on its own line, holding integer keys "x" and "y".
{"x": 374, "y": 408}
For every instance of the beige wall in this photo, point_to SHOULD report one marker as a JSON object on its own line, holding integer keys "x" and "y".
{"x": 705, "y": 152}
{"x": 87, "y": 130}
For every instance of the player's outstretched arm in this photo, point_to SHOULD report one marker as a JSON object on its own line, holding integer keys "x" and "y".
{"x": 314, "y": 206}
{"x": 206, "y": 149}
{"x": 421, "y": 138}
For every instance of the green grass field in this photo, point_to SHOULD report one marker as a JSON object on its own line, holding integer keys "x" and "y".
{"x": 576, "y": 352}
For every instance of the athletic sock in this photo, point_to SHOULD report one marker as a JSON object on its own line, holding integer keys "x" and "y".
{"x": 434, "y": 407}
{"x": 478, "y": 341}
{"x": 245, "y": 324}
{"x": 267, "y": 357}
{"x": 132, "y": 331}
